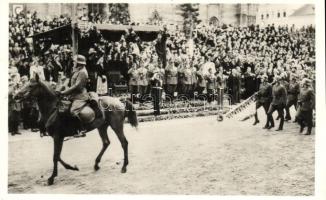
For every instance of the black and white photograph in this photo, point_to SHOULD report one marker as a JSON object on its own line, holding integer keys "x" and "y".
{"x": 189, "y": 98}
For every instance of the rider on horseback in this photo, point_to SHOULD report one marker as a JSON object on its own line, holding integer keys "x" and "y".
{"x": 80, "y": 97}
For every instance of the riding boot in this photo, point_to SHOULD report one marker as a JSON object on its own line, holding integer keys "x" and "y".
{"x": 287, "y": 116}
{"x": 271, "y": 120}
{"x": 266, "y": 125}
{"x": 256, "y": 119}
{"x": 281, "y": 124}
{"x": 308, "y": 130}
{"x": 302, "y": 125}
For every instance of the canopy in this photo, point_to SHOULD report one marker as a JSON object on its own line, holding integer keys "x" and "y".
{"x": 113, "y": 32}
{"x": 60, "y": 35}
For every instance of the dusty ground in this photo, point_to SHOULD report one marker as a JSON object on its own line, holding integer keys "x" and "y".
{"x": 184, "y": 156}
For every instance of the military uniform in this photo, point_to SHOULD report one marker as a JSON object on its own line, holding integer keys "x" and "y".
{"x": 171, "y": 73}
{"x": 278, "y": 103}
{"x": 292, "y": 98}
{"x": 306, "y": 102}
{"x": 264, "y": 98}
{"x": 201, "y": 82}
{"x": 187, "y": 81}
{"x": 133, "y": 82}
{"x": 142, "y": 82}
{"x": 77, "y": 91}
{"x": 211, "y": 85}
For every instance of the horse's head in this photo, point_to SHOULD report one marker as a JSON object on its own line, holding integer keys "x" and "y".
{"x": 35, "y": 88}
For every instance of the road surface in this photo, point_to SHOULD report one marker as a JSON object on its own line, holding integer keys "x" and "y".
{"x": 182, "y": 156}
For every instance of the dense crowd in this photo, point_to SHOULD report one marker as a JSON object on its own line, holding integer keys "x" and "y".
{"x": 217, "y": 60}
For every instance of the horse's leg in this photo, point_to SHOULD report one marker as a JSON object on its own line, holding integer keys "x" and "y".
{"x": 57, "y": 142}
{"x": 105, "y": 142}
{"x": 67, "y": 166}
{"x": 124, "y": 143}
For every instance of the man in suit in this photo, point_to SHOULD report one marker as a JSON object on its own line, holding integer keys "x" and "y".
{"x": 306, "y": 102}
{"x": 264, "y": 98}
{"x": 278, "y": 103}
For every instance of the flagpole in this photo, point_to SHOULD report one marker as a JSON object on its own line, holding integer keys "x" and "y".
{"x": 74, "y": 36}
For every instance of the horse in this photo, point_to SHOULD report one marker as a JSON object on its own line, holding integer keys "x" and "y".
{"x": 63, "y": 125}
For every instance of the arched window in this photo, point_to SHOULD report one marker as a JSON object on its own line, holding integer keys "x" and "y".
{"x": 267, "y": 16}
{"x": 262, "y": 16}
{"x": 284, "y": 14}
{"x": 278, "y": 15}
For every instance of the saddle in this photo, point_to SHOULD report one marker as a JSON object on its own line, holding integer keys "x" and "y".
{"x": 90, "y": 114}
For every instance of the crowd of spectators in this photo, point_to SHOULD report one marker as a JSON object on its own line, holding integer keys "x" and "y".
{"x": 216, "y": 60}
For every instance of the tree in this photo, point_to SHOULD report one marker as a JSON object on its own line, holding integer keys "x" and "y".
{"x": 119, "y": 12}
{"x": 190, "y": 13}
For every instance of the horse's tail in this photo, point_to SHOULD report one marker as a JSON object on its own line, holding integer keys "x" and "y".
{"x": 131, "y": 114}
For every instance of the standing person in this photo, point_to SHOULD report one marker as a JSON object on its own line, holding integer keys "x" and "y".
{"x": 264, "y": 98}
{"x": 133, "y": 82}
{"x": 211, "y": 84}
{"x": 14, "y": 109}
{"x": 278, "y": 103}
{"x": 171, "y": 72}
{"x": 306, "y": 102}
{"x": 26, "y": 107}
{"x": 160, "y": 46}
{"x": 249, "y": 83}
{"x": 37, "y": 68}
{"x": 201, "y": 81}
{"x": 187, "y": 80}
{"x": 92, "y": 69}
{"x": 220, "y": 85}
{"x": 193, "y": 80}
{"x": 292, "y": 98}
{"x": 55, "y": 66}
{"x": 233, "y": 85}
{"x": 143, "y": 82}
{"x": 156, "y": 85}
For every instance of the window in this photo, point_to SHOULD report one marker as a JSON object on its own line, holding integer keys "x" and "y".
{"x": 284, "y": 14}
{"x": 267, "y": 16}
{"x": 278, "y": 15}
{"x": 262, "y": 16}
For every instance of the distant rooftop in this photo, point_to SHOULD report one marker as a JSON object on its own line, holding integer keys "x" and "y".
{"x": 308, "y": 9}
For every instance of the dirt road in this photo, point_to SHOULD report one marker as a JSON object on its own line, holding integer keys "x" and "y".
{"x": 184, "y": 156}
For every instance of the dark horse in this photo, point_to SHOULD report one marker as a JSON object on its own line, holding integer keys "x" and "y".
{"x": 62, "y": 127}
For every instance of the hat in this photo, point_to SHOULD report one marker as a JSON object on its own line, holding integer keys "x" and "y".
{"x": 80, "y": 59}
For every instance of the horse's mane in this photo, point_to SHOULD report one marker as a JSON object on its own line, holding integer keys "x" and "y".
{"x": 46, "y": 86}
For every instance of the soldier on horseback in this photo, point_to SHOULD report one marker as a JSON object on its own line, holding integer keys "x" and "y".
{"x": 80, "y": 97}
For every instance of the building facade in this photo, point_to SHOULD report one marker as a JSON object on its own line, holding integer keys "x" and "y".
{"x": 235, "y": 14}
{"x": 282, "y": 14}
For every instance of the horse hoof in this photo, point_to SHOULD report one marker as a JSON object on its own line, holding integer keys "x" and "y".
{"x": 96, "y": 167}
{"x": 123, "y": 170}
{"x": 50, "y": 181}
